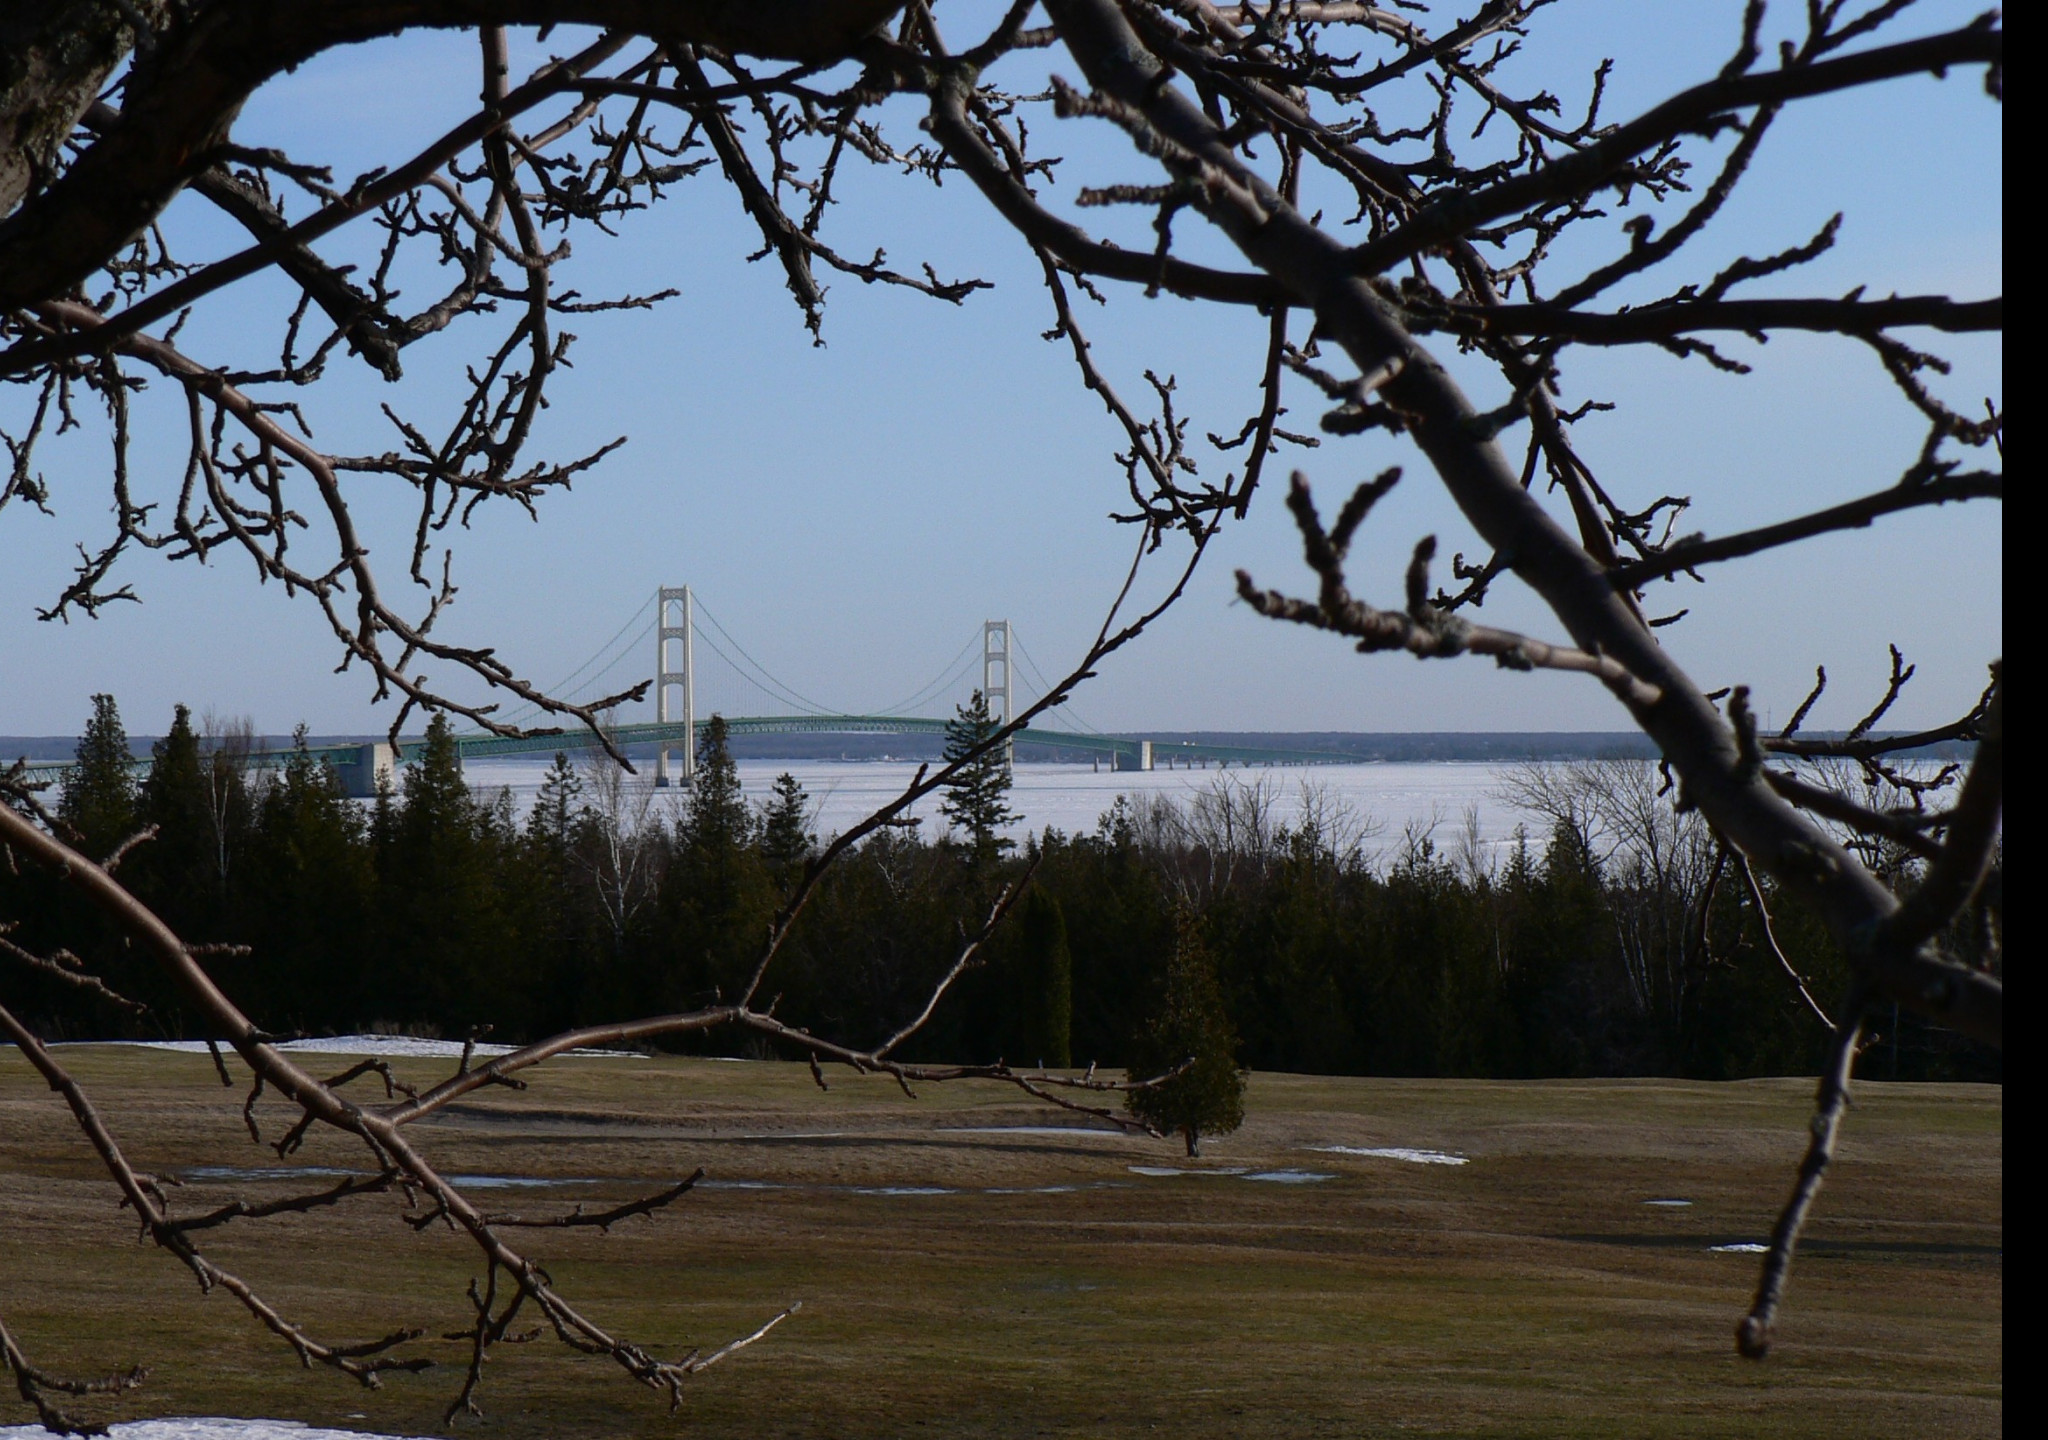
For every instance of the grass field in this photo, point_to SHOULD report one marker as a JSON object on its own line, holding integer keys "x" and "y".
{"x": 1529, "y": 1292}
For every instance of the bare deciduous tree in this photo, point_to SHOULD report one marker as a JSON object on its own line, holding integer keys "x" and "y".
{"x": 1255, "y": 120}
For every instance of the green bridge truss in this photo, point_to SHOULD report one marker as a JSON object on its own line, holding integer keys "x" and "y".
{"x": 1126, "y": 752}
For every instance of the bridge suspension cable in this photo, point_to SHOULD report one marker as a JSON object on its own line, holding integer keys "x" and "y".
{"x": 773, "y": 687}
{"x": 527, "y": 712}
{"x": 1045, "y": 687}
{"x": 625, "y": 643}
{"x": 955, "y": 668}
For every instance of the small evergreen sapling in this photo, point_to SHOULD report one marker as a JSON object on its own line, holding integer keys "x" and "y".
{"x": 1191, "y": 1023}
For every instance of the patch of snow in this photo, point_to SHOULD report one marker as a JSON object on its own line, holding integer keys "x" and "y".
{"x": 903, "y": 1190}
{"x": 205, "y": 1429}
{"x": 1290, "y": 1177}
{"x": 1673, "y": 1204}
{"x": 1165, "y": 1170}
{"x": 1395, "y": 1152}
{"x": 1740, "y": 1247}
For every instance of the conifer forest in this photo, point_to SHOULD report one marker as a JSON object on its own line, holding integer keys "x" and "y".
{"x": 1620, "y": 941}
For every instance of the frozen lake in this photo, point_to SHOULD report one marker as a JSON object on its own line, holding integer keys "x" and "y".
{"x": 1072, "y": 798}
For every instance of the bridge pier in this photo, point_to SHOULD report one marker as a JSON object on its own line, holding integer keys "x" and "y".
{"x": 1138, "y": 758}
{"x": 367, "y": 765}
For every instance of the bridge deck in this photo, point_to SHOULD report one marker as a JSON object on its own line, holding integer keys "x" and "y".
{"x": 1124, "y": 748}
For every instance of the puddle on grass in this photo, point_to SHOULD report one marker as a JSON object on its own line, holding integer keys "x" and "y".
{"x": 1741, "y": 1247}
{"x": 741, "y": 1185}
{"x": 1065, "y": 1132}
{"x": 193, "y": 1428}
{"x": 409, "y": 1047}
{"x": 1669, "y": 1204}
{"x": 230, "y": 1174}
{"x": 1238, "y": 1172}
{"x": 227, "y": 1174}
{"x": 251, "y": 1174}
{"x": 1161, "y": 1171}
{"x": 1395, "y": 1152}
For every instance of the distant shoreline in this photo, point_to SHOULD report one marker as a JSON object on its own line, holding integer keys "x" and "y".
{"x": 1497, "y": 746}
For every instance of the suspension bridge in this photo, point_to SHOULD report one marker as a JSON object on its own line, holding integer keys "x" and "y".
{"x": 701, "y": 669}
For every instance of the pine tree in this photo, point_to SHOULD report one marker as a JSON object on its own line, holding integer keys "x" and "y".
{"x": 716, "y": 894}
{"x": 718, "y": 819}
{"x": 447, "y": 927}
{"x": 785, "y": 840}
{"x": 176, "y": 872}
{"x": 308, "y": 891}
{"x": 1043, "y": 990}
{"x": 977, "y": 799}
{"x": 1190, "y": 1023}
{"x": 99, "y": 792}
{"x": 551, "y": 825}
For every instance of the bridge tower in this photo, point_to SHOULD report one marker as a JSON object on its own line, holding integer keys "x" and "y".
{"x": 995, "y": 677}
{"x": 670, "y": 603}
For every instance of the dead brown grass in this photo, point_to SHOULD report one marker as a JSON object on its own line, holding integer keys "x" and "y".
{"x": 1528, "y": 1293}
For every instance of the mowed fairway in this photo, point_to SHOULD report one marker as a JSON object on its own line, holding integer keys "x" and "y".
{"x": 1529, "y": 1292}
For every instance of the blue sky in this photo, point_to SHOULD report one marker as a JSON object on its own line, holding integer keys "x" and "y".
{"x": 851, "y": 512}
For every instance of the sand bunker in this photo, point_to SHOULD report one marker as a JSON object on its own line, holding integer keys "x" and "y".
{"x": 1395, "y": 1152}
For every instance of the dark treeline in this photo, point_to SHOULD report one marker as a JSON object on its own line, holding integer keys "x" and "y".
{"x": 1615, "y": 941}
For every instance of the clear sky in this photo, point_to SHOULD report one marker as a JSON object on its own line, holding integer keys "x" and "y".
{"x": 851, "y": 512}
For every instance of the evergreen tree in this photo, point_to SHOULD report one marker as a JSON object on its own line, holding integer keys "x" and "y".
{"x": 716, "y": 894}
{"x": 448, "y": 940}
{"x": 785, "y": 840}
{"x": 718, "y": 819}
{"x": 1043, "y": 989}
{"x": 175, "y": 872}
{"x": 977, "y": 799}
{"x": 551, "y": 825}
{"x": 99, "y": 792}
{"x": 307, "y": 891}
{"x": 550, "y": 909}
{"x": 1189, "y": 1024}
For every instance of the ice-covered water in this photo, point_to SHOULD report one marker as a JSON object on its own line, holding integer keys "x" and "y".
{"x": 1384, "y": 798}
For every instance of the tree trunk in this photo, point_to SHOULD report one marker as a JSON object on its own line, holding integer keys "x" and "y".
{"x": 54, "y": 57}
